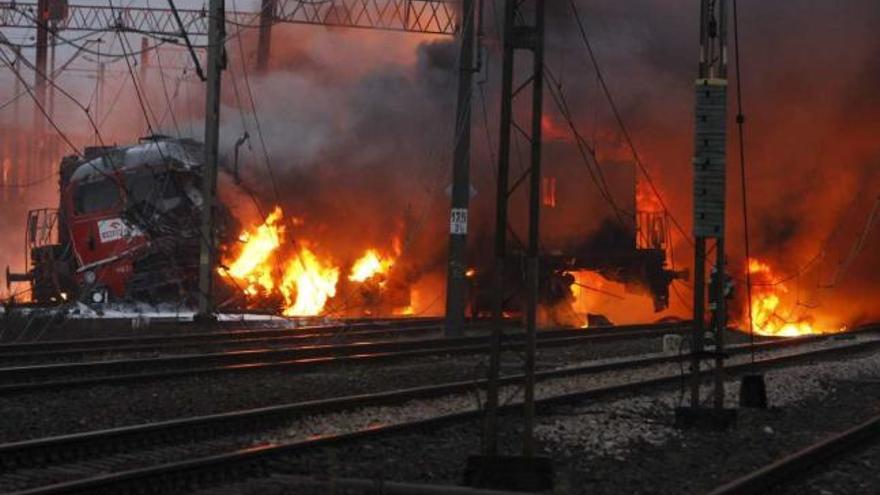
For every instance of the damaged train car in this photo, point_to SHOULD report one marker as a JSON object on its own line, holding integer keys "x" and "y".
{"x": 126, "y": 226}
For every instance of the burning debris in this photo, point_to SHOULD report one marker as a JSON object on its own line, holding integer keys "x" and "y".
{"x": 270, "y": 268}
{"x": 768, "y": 311}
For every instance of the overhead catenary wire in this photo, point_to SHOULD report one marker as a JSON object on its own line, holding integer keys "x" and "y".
{"x": 620, "y": 122}
{"x": 587, "y": 152}
{"x": 859, "y": 244}
{"x": 141, "y": 98}
{"x": 37, "y": 103}
{"x": 58, "y": 88}
{"x": 740, "y": 123}
{"x": 169, "y": 100}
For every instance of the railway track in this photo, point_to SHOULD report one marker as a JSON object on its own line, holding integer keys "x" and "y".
{"x": 225, "y": 447}
{"x": 805, "y": 461}
{"x": 68, "y": 375}
{"x": 236, "y": 337}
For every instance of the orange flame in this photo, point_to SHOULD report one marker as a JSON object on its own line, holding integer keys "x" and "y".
{"x": 253, "y": 267}
{"x": 305, "y": 280}
{"x": 307, "y": 284}
{"x": 369, "y": 265}
{"x": 766, "y": 311}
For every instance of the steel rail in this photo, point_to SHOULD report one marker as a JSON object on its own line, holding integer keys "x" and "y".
{"x": 245, "y": 463}
{"x": 800, "y": 462}
{"x": 30, "y": 453}
{"x": 300, "y": 358}
{"x": 237, "y": 339}
{"x": 19, "y": 348}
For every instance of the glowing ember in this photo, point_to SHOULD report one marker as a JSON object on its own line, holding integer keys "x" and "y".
{"x": 368, "y": 266}
{"x": 767, "y": 311}
{"x": 308, "y": 284}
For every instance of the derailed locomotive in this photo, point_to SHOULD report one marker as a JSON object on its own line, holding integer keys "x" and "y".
{"x": 126, "y": 226}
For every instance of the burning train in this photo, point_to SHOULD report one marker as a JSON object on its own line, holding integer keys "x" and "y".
{"x": 126, "y": 229}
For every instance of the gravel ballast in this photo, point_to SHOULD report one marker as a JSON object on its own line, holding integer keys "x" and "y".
{"x": 628, "y": 444}
{"x": 41, "y": 414}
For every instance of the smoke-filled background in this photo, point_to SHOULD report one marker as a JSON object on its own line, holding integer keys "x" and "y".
{"x": 352, "y": 132}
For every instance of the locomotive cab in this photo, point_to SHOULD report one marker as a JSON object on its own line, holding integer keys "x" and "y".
{"x": 133, "y": 220}
{"x": 127, "y": 225}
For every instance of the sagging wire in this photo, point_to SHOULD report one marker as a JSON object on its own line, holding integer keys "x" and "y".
{"x": 598, "y": 177}
{"x": 189, "y": 45}
{"x": 620, "y": 122}
{"x": 740, "y": 123}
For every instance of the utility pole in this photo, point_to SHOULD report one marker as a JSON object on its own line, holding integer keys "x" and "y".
{"x": 16, "y": 108}
{"x": 264, "y": 42}
{"x": 142, "y": 73}
{"x": 99, "y": 93}
{"x": 216, "y": 55}
{"x": 41, "y": 45}
{"x": 17, "y": 150}
{"x": 709, "y": 199}
{"x": 51, "y": 74}
{"x": 523, "y": 31}
{"x": 456, "y": 279}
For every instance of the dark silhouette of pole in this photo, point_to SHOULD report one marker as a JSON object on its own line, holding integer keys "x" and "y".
{"x": 264, "y": 42}
{"x": 533, "y": 264}
{"x": 456, "y": 279}
{"x": 709, "y": 189}
{"x": 490, "y": 429}
{"x": 216, "y": 35}
{"x": 41, "y": 63}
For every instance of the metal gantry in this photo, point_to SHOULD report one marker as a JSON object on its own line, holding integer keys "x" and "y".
{"x": 523, "y": 32}
{"x": 415, "y": 16}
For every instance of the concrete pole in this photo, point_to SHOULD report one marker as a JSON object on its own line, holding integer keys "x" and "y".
{"x": 42, "y": 42}
{"x": 51, "y": 75}
{"x": 142, "y": 76}
{"x": 456, "y": 280}
{"x": 216, "y": 36}
{"x": 16, "y": 107}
